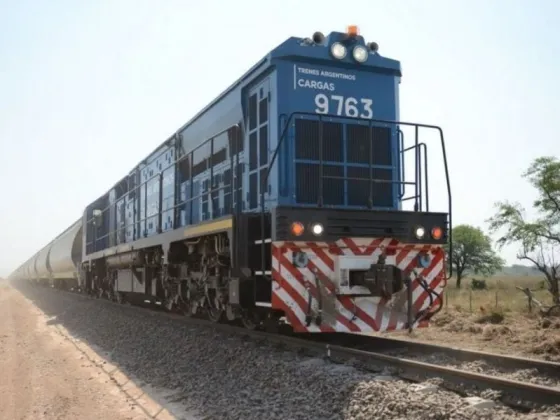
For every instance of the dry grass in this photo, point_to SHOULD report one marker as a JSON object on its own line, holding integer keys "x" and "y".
{"x": 501, "y": 296}
{"x": 495, "y": 320}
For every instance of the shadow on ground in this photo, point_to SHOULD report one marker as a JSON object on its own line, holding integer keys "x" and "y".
{"x": 93, "y": 322}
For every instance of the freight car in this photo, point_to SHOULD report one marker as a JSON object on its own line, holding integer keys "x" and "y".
{"x": 58, "y": 263}
{"x": 280, "y": 202}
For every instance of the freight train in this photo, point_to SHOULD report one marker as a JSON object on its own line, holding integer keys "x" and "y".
{"x": 281, "y": 202}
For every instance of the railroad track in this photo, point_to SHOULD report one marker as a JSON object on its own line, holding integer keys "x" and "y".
{"x": 458, "y": 355}
{"x": 514, "y": 393}
{"x": 378, "y": 353}
{"x": 447, "y": 355}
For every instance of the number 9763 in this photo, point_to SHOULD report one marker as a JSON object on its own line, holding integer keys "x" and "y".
{"x": 345, "y": 107}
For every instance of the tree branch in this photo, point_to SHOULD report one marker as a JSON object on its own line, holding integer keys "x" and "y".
{"x": 552, "y": 198}
{"x": 524, "y": 256}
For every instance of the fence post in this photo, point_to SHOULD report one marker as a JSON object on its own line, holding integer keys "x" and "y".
{"x": 531, "y": 299}
{"x": 470, "y": 300}
{"x": 496, "y": 298}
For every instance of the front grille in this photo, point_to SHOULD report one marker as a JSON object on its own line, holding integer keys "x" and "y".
{"x": 368, "y": 225}
{"x": 307, "y": 181}
{"x": 347, "y": 151}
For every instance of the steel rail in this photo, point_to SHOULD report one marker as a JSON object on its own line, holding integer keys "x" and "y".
{"x": 503, "y": 361}
{"x": 515, "y": 393}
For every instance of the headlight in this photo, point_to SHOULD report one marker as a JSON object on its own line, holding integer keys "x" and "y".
{"x": 420, "y": 232}
{"x": 424, "y": 260}
{"x": 338, "y": 50}
{"x": 360, "y": 54}
{"x": 317, "y": 229}
{"x": 300, "y": 259}
{"x": 297, "y": 229}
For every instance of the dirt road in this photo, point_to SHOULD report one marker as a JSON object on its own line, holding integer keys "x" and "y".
{"x": 45, "y": 375}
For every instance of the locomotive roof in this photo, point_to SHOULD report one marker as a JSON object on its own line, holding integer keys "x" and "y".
{"x": 297, "y": 49}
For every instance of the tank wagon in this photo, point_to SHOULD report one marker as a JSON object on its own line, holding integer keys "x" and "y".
{"x": 58, "y": 263}
{"x": 280, "y": 202}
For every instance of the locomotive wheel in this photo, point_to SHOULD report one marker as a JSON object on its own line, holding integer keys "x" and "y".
{"x": 184, "y": 308}
{"x": 119, "y": 298}
{"x": 215, "y": 314}
{"x": 215, "y": 310}
{"x": 250, "y": 320}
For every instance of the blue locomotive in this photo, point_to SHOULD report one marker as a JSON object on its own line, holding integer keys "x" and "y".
{"x": 281, "y": 201}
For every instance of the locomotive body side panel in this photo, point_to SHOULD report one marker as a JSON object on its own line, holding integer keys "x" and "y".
{"x": 187, "y": 180}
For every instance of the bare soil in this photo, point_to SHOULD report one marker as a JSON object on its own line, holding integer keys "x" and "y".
{"x": 509, "y": 333}
{"x": 45, "y": 375}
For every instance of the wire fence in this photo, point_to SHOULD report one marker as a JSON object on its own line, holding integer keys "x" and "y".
{"x": 503, "y": 296}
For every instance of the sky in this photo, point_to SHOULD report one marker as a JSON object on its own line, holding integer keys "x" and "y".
{"x": 88, "y": 89}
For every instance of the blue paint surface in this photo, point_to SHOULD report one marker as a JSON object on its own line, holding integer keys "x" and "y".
{"x": 297, "y": 81}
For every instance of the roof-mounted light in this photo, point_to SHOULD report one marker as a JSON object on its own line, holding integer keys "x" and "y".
{"x": 352, "y": 30}
{"x": 338, "y": 50}
{"x": 360, "y": 54}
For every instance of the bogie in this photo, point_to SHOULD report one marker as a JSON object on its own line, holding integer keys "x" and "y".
{"x": 192, "y": 277}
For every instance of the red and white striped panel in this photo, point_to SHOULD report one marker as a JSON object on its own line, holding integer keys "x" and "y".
{"x": 291, "y": 285}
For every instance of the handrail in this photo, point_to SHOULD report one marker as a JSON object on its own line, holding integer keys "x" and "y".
{"x": 159, "y": 176}
{"x": 321, "y": 117}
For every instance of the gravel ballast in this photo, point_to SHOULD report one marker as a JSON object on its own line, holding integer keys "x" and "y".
{"x": 220, "y": 376}
{"x": 480, "y": 366}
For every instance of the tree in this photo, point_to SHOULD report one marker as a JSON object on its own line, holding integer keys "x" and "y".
{"x": 472, "y": 251}
{"x": 539, "y": 239}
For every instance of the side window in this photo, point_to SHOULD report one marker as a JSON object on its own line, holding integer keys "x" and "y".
{"x": 258, "y": 137}
{"x": 252, "y": 111}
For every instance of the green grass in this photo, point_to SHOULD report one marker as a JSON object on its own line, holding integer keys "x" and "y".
{"x": 501, "y": 295}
